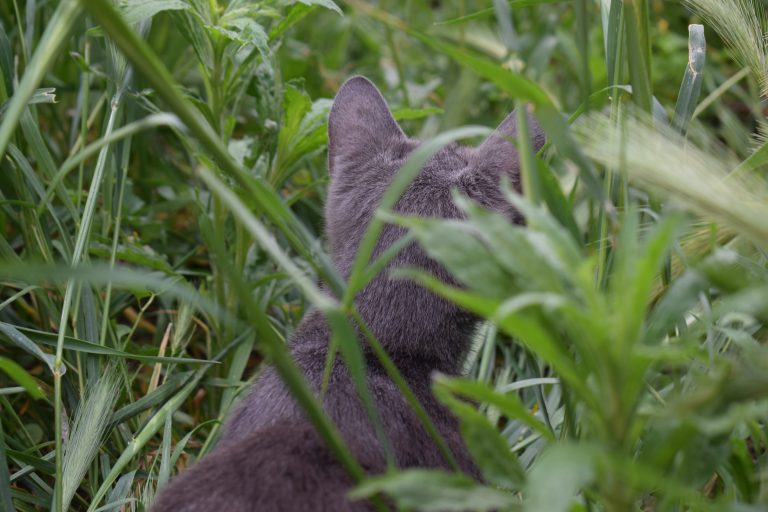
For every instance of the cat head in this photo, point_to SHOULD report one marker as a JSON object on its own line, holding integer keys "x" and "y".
{"x": 366, "y": 148}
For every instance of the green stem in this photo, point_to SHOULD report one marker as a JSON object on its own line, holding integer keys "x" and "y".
{"x": 80, "y": 244}
{"x": 398, "y": 65}
{"x": 407, "y": 392}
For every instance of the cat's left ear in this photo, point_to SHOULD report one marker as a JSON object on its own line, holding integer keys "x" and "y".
{"x": 498, "y": 153}
{"x": 360, "y": 125}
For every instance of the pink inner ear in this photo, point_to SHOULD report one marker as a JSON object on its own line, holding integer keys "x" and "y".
{"x": 359, "y": 124}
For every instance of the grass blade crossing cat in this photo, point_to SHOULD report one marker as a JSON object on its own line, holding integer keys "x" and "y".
{"x": 270, "y": 458}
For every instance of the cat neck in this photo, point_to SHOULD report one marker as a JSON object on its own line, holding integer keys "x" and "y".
{"x": 418, "y": 346}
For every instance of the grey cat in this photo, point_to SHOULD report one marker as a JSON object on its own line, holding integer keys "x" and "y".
{"x": 270, "y": 458}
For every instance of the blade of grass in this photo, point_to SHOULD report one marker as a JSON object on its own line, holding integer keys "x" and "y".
{"x": 490, "y": 10}
{"x": 582, "y": 38}
{"x": 719, "y": 91}
{"x": 638, "y": 56}
{"x": 529, "y": 175}
{"x": 152, "y": 426}
{"x": 691, "y": 86}
{"x": 741, "y": 24}
{"x": 20, "y": 377}
{"x": 5, "y": 477}
{"x": 130, "y": 129}
{"x": 51, "y": 43}
{"x": 612, "y": 26}
{"x": 83, "y": 235}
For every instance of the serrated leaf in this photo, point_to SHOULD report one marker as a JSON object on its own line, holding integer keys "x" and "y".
{"x": 135, "y": 11}
{"x": 328, "y": 4}
{"x": 304, "y": 130}
{"x": 247, "y": 31}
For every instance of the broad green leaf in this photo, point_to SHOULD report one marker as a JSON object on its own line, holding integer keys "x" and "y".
{"x": 433, "y": 491}
{"x": 458, "y": 248}
{"x": 245, "y": 31}
{"x": 507, "y": 403}
{"x": 296, "y": 13}
{"x": 557, "y": 476}
{"x": 670, "y": 311}
{"x": 529, "y": 329}
{"x": 20, "y": 377}
{"x": 489, "y": 450}
{"x": 635, "y": 273}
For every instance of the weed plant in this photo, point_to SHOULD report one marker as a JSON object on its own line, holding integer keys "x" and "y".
{"x": 162, "y": 178}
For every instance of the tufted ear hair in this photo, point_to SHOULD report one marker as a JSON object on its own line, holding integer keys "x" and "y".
{"x": 498, "y": 152}
{"x": 360, "y": 125}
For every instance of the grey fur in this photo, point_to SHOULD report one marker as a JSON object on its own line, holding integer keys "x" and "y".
{"x": 270, "y": 458}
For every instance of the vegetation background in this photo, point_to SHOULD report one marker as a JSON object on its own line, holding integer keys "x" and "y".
{"x": 162, "y": 178}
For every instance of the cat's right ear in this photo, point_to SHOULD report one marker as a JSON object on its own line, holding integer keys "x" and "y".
{"x": 498, "y": 154}
{"x": 360, "y": 125}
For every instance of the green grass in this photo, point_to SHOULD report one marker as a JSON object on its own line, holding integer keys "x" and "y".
{"x": 162, "y": 180}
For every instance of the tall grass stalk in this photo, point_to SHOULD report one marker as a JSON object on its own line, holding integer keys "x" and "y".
{"x": 661, "y": 160}
{"x": 84, "y": 233}
{"x": 742, "y": 24}
{"x": 86, "y": 434}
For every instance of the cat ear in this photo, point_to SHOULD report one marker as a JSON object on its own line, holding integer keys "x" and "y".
{"x": 498, "y": 152}
{"x": 360, "y": 125}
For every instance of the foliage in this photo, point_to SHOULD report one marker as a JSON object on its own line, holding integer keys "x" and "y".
{"x": 161, "y": 190}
